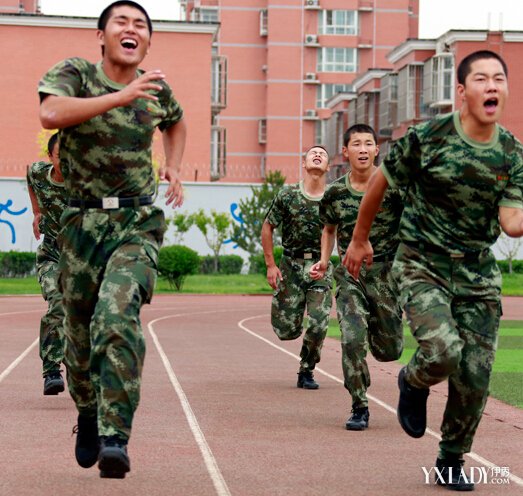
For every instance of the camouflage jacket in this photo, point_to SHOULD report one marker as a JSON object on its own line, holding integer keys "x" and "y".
{"x": 299, "y": 217}
{"x": 340, "y": 205}
{"x": 110, "y": 154}
{"x": 455, "y": 185}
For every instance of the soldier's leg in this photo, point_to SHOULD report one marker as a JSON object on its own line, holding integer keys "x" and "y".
{"x": 80, "y": 268}
{"x": 352, "y": 311}
{"x": 385, "y": 319}
{"x": 288, "y": 301}
{"x": 51, "y": 325}
{"x": 118, "y": 345}
{"x": 318, "y": 303}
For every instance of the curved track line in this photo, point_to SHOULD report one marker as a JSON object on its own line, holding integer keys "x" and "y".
{"x": 9, "y": 369}
{"x": 210, "y": 462}
{"x": 474, "y": 456}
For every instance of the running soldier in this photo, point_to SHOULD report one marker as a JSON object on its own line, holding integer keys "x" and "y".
{"x": 296, "y": 209}
{"x": 46, "y": 191}
{"x": 465, "y": 183}
{"x": 107, "y": 113}
{"x": 368, "y": 310}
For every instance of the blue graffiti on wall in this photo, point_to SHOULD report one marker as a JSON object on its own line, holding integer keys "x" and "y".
{"x": 5, "y": 207}
{"x": 238, "y": 218}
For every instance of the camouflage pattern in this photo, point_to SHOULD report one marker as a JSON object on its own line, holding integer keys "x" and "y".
{"x": 455, "y": 189}
{"x": 110, "y": 154}
{"x": 453, "y": 308}
{"x": 368, "y": 310}
{"x": 475, "y": 178}
{"x": 339, "y": 206}
{"x": 108, "y": 271}
{"x": 109, "y": 257}
{"x": 295, "y": 294}
{"x": 298, "y": 215}
{"x": 50, "y": 196}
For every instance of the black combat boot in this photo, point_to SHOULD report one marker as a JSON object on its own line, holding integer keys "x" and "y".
{"x": 306, "y": 380}
{"x": 87, "y": 442}
{"x": 359, "y": 420}
{"x": 114, "y": 461}
{"x": 451, "y": 475}
{"x": 412, "y": 407}
{"x": 53, "y": 383}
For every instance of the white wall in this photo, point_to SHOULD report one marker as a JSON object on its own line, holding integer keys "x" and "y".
{"x": 16, "y": 215}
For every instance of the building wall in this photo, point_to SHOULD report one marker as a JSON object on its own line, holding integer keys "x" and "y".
{"x": 30, "y": 50}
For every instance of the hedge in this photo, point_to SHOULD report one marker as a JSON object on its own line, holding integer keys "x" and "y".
{"x": 17, "y": 263}
{"x": 227, "y": 264}
{"x": 176, "y": 262}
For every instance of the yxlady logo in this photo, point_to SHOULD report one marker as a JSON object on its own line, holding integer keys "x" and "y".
{"x": 474, "y": 475}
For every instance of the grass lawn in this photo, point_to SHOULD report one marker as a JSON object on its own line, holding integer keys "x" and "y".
{"x": 507, "y": 376}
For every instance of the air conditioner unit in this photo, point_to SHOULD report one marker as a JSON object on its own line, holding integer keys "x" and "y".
{"x": 312, "y": 4}
{"x": 310, "y": 76}
{"x": 311, "y": 114}
{"x": 311, "y": 39}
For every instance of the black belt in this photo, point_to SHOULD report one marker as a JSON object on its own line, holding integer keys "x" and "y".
{"x": 438, "y": 250}
{"x": 113, "y": 202}
{"x": 302, "y": 254}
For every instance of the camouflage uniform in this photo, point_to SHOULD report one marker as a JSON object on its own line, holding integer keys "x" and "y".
{"x": 298, "y": 215}
{"x": 368, "y": 310}
{"x": 50, "y": 196}
{"x": 109, "y": 257}
{"x": 449, "y": 281}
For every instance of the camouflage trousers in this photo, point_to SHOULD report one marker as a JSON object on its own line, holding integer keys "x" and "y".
{"x": 296, "y": 294}
{"x": 369, "y": 315}
{"x": 52, "y": 323}
{"x": 108, "y": 271}
{"x": 453, "y": 308}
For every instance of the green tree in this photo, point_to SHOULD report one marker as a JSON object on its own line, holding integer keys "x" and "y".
{"x": 252, "y": 210}
{"x": 216, "y": 228}
{"x": 181, "y": 223}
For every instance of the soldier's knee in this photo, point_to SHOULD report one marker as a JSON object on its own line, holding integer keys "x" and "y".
{"x": 287, "y": 333}
{"x": 448, "y": 360}
{"x": 388, "y": 355}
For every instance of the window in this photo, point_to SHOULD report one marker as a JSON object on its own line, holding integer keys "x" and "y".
{"x": 388, "y": 104}
{"x": 219, "y": 82}
{"x": 264, "y": 22}
{"x": 326, "y": 91}
{"x": 262, "y": 131}
{"x": 352, "y": 113}
{"x": 437, "y": 80}
{"x": 337, "y": 60}
{"x": 319, "y": 131}
{"x": 341, "y": 22}
{"x": 218, "y": 152}
{"x": 410, "y": 96}
{"x": 205, "y": 14}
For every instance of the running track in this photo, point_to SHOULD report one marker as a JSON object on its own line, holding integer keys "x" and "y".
{"x": 220, "y": 415}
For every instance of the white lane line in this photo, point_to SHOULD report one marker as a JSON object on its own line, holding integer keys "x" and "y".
{"x": 210, "y": 462}
{"x": 11, "y": 367}
{"x": 5, "y": 314}
{"x": 474, "y": 456}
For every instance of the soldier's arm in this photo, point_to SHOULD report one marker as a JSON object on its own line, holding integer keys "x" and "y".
{"x": 328, "y": 237}
{"x": 360, "y": 248}
{"x": 273, "y": 272}
{"x": 58, "y": 112}
{"x": 36, "y": 212}
{"x": 173, "y": 144}
{"x": 511, "y": 220}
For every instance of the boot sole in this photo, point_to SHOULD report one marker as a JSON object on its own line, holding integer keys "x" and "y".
{"x": 54, "y": 388}
{"x": 356, "y": 428}
{"x": 113, "y": 463}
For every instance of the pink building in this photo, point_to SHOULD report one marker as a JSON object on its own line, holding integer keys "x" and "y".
{"x": 421, "y": 85}
{"x": 32, "y": 43}
{"x": 284, "y": 60}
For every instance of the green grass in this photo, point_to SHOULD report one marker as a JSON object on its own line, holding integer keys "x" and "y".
{"x": 512, "y": 285}
{"x": 507, "y": 374}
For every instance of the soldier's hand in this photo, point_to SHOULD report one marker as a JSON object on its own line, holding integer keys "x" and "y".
{"x": 317, "y": 271}
{"x": 274, "y": 276}
{"x": 174, "y": 193}
{"x": 141, "y": 87}
{"x": 36, "y": 225}
{"x": 358, "y": 252}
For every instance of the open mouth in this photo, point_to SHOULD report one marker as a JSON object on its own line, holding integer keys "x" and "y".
{"x": 129, "y": 43}
{"x": 316, "y": 161}
{"x": 363, "y": 159}
{"x": 490, "y": 105}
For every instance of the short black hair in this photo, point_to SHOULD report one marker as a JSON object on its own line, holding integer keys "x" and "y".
{"x": 358, "y": 128}
{"x": 106, "y": 13}
{"x": 464, "y": 66}
{"x": 52, "y": 143}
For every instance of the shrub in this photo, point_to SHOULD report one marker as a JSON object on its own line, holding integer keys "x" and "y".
{"x": 517, "y": 266}
{"x": 17, "y": 263}
{"x": 227, "y": 264}
{"x": 176, "y": 262}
